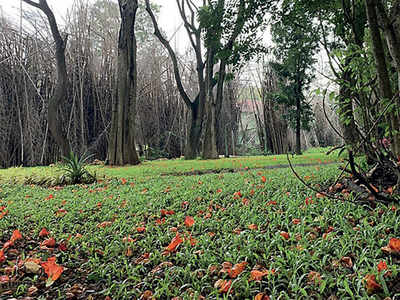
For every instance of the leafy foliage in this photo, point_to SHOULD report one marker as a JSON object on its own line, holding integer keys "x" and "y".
{"x": 75, "y": 169}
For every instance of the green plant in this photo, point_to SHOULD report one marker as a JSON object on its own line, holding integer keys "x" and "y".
{"x": 75, "y": 168}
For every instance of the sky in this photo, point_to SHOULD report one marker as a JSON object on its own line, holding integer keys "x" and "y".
{"x": 169, "y": 19}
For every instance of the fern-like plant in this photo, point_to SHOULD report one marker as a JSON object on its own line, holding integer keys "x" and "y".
{"x": 75, "y": 168}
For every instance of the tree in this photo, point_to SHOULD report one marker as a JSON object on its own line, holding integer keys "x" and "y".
{"x": 60, "y": 94}
{"x": 296, "y": 43}
{"x": 121, "y": 148}
{"x": 230, "y": 33}
{"x": 220, "y": 25}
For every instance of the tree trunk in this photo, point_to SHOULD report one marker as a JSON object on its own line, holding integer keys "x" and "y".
{"x": 385, "y": 89}
{"x": 121, "y": 148}
{"x": 298, "y": 125}
{"x": 210, "y": 138}
{"x": 60, "y": 95}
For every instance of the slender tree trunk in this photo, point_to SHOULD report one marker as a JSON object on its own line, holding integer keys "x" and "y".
{"x": 298, "y": 125}
{"x": 60, "y": 95}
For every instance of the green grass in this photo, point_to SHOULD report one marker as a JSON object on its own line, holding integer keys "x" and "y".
{"x": 99, "y": 262}
{"x": 177, "y": 166}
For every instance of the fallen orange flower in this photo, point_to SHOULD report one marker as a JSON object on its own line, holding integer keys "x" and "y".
{"x": 52, "y": 270}
{"x": 252, "y": 226}
{"x": 261, "y": 296}
{"x": 175, "y": 242}
{"x": 4, "y": 279}
{"x": 189, "y": 221}
{"x": 263, "y": 179}
{"x": 141, "y": 229}
{"x": 382, "y": 266}
{"x": 371, "y": 284}
{"x": 237, "y": 269}
{"x": 2, "y": 257}
{"x": 16, "y": 235}
{"x": 258, "y": 275}
{"x": 285, "y": 235}
{"x": 43, "y": 232}
{"x": 51, "y": 243}
{"x": 104, "y": 224}
{"x": 296, "y": 221}
{"x": 223, "y": 285}
{"x": 394, "y": 244}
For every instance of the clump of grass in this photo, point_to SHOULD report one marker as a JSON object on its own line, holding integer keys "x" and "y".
{"x": 75, "y": 169}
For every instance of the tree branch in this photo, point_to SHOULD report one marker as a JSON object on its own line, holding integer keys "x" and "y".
{"x": 172, "y": 54}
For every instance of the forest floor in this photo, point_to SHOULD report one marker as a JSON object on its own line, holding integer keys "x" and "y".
{"x": 148, "y": 232}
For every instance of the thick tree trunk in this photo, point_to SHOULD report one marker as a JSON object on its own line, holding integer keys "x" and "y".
{"x": 193, "y": 136}
{"x": 385, "y": 89}
{"x": 210, "y": 137}
{"x": 391, "y": 32}
{"x": 121, "y": 148}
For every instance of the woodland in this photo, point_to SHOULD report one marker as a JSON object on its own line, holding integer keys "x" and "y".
{"x": 261, "y": 162}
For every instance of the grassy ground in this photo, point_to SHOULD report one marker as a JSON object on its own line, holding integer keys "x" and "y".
{"x": 177, "y": 166}
{"x": 111, "y": 237}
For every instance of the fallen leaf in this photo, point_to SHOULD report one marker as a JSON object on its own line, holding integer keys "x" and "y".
{"x": 32, "y": 267}
{"x": 346, "y": 262}
{"x": 2, "y": 256}
{"x": 314, "y": 277}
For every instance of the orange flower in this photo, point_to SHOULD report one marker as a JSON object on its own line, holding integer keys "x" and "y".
{"x": 371, "y": 284}
{"x": 237, "y": 269}
{"x": 263, "y": 179}
{"x": 104, "y": 224}
{"x": 261, "y": 296}
{"x": 141, "y": 229}
{"x": 43, "y": 232}
{"x": 296, "y": 221}
{"x": 253, "y": 226}
{"x": 165, "y": 212}
{"x": 223, "y": 285}
{"x": 52, "y": 270}
{"x": 175, "y": 242}
{"x": 16, "y": 235}
{"x": 285, "y": 235}
{"x": 189, "y": 221}
{"x": 4, "y": 279}
{"x": 257, "y": 275}
{"x": 51, "y": 242}
{"x": 382, "y": 266}
{"x": 2, "y": 257}
{"x": 394, "y": 244}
